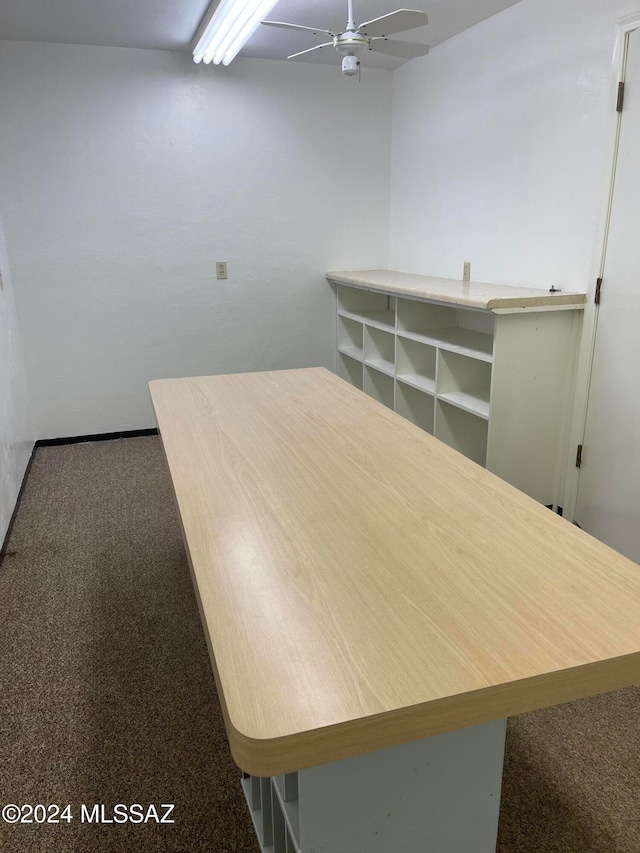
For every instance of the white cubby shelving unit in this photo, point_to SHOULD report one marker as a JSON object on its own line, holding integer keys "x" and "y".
{"x": 487, "y": 369}
{"x": 274, "y": 807}
{"x": 405, "y": 798}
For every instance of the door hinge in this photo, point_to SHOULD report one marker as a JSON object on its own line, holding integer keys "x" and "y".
{"x": 620, "y": 100}
{"x": 598, "y": 289}
{"x": 579, "y": 457}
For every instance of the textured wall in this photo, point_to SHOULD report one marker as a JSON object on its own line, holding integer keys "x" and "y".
{"x": 127, "y": 173}
{"x": 501, "y": 146}
{"x": 16, "y": 435}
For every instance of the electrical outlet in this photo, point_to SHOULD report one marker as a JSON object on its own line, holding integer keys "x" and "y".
{"x": 221, "y": 269}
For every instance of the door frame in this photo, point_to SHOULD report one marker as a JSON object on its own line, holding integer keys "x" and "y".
{"x": 624, "y": 26}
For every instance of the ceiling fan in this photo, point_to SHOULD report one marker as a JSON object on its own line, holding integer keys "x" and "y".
{"x": 371, "y": 35}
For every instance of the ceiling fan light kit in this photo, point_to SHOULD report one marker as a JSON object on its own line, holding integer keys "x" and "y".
{"x": 226, "y": 28}
{"x": 370, "y": 35}
{"x": 350, "y": 65}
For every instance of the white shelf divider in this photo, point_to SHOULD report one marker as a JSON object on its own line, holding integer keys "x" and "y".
{"x": 419, "y": 382}
{"x": 464, "y": 382}
{"x": 290, "y": 845}
{"x": 416, "y": 364}
{"x": 384, "y": 319}
{"x": 350, "y": 335}
{"x": 266, "y": 812}
{"x": 465, "y": 341}
{"x": 465, "y": 432}
{"x": 255, "y": 809}
{"x": 350, "y": 369}
{"x": 420, "y": 317}
{"x": 276, "y": 821}
{"x": 415, "y": 405}
{"x": 379, "y": 385}
{"x": 474, "y": 405}
{"x": 286, "y": 790}
{"x": 382, "y": 365}
{"x": 352, "y": 352}
{"x": 377, "y": 309}
{"x": 379, "y": 349}
{"x": 461, "y": 330}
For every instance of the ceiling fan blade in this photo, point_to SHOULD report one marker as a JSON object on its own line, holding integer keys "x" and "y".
{"x": 313, "y": 30}
{"x": 310, "y": 49}
{"x": 405, "y": 49}
{"x": 394, "y": 22}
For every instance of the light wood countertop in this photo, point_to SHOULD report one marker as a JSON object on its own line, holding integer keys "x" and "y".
{"x": 362, "y": 584}
{"x": 499, "y": 298}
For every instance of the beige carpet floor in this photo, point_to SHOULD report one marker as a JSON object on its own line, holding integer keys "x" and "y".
{"x": 107, "y": 696}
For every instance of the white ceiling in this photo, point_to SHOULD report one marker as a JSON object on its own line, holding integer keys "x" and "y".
{"x": 171, "y": 24}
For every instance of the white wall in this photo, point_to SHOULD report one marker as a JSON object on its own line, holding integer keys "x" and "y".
{"x": 16, "y": 434}
{"x": 127, "y": 173}
{"x": 501, "y": 145}
{"x": 503, "y": 141}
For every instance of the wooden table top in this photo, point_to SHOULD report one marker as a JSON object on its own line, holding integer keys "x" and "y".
{"x": 362, "y": 584}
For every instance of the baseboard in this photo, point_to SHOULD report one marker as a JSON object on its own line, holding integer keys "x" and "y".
{"x": 101, "y": 436}
{"x": 4, "y": 549}
{"x": 52, "y": 442}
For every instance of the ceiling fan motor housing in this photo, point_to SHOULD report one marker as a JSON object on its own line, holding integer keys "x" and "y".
{"x": 351, "y": 42}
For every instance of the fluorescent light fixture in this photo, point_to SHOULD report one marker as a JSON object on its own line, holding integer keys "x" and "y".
{"x": 226, "y": 29}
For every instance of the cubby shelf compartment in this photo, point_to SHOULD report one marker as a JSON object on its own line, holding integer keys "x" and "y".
{"x": 475, "y": 344}
{"x": 259, "y": 798}
{"x": 416, "y": 406}
{"x": 416, "y": 364}
{"x": 286, "y": 788}
{"x": 274, "y": 812}
{"x": 384, "y": 319}
{"x": 460, "y": 330}
{"x": 465, "y": 432}
{"x": 379, "y": 349}
{"x": 290, "y": 846}
{"x": 464, "y": 382}
{"x": 379, "y": 386}
{"x": 376, "y": 309}
{"x": 350, "y": 334}
{"x": 350, "y": 369}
